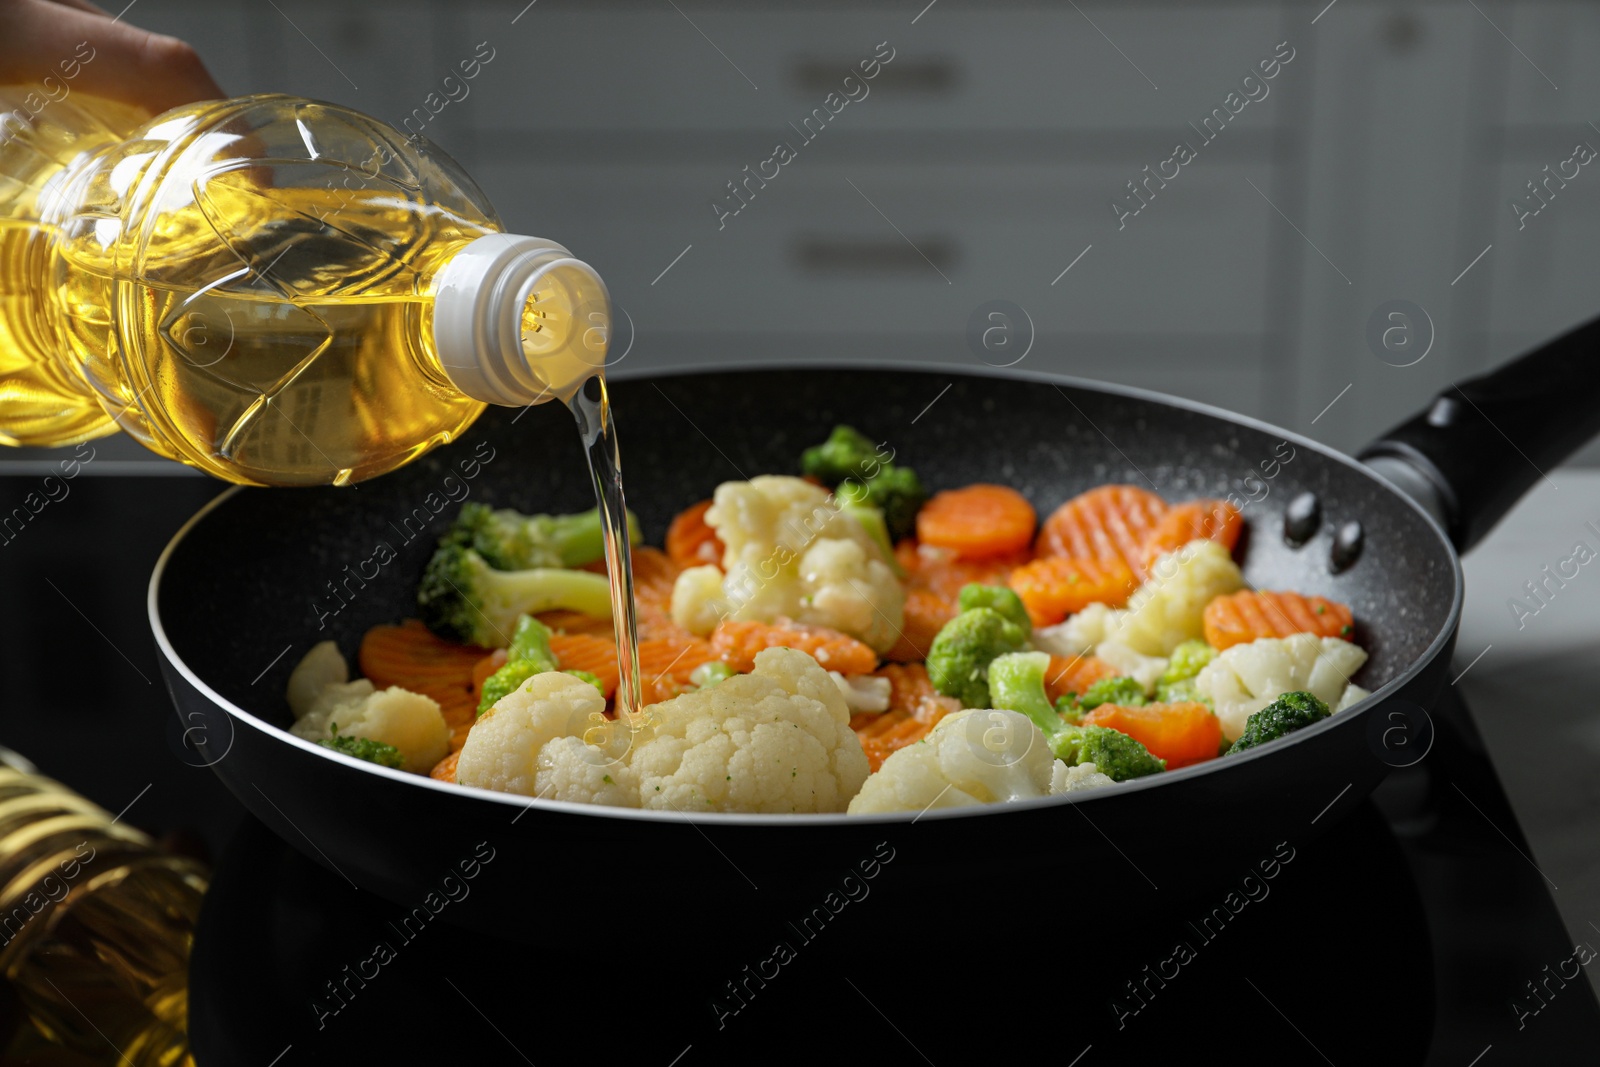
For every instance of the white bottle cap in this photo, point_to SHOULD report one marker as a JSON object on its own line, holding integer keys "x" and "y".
{"x": 517, "y": 320}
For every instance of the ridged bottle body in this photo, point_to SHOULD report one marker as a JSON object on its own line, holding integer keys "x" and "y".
{"x": 243, "y": 285}
{"x": 95, "y": 926}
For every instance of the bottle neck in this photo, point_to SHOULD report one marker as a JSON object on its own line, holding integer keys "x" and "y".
{"x": 518, "y": 321}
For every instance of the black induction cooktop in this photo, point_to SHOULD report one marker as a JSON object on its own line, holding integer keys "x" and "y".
{"x": 1415, "y": 931}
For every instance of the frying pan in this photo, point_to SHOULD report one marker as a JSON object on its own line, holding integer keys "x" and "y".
{"x": 246, "y": 587}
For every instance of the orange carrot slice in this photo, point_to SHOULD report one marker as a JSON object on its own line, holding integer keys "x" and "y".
{"x": 654, "y": 574}
{"x": 1197, "y": 520}
{"x": 1181, "y": 734}
{"x": 977, "y": 522}
{"x": 1074, "y": 675}
{"x": 915, "y": 708}
{"x": 691, "y": 542}
{"x": 653, "y": 577}
{"x": 1057, "y": 586}
{"x": 1249, "y": 615}
{"x": 588, "y": 652}
{"x": 562, "y": 621}
{"x": 1105, "y": 525}
{"x": 485, "y": 667}
{"x": 736, "y": 643}
{"x": 665, "y": 665}
{"x": 445, "y": 769}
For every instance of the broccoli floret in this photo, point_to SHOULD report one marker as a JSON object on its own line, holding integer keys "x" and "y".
{"x": 1016, "y": 683}
{"x": 527, "y": 655}
{"x": 1120, "y": 690}
{"x": 507, "y": 680}
{"x": 958, "y": 662}
{"x": 461, "y": 598}
{"x": 588, "y": 676}
{"x": 384, "y": 755}
{"x": 896, "y": 491}
{"x": 1001, "y": 598}
{"x": 847, "y": 453}
{"x": 1184, "y": 692}
{"x": 530, "y": 640}
{"x": 511, "y": 541}
{"x": 871, "y": 520}
{"x": 1114, "y": 753}
{"x": 1176, "y": 684}
{"x": 1067, "y": 708}
{"x": 710, "y": 673}
{"x": 849, "y": 461}
{"x": 1290, "y": 712}
{"x": 1186, "y": 661}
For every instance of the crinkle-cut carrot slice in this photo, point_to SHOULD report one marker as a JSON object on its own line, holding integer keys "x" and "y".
{"x": 977, "y": 522}
{"x": 562, "y": 621}
{"x": 1181, "y": 734}
{"x": 588, "y": 652}
{"x": 915, "y": 708}
{"x": 1105, "y": 524}
{"x": 1250, "y": 615}
{"x": 653, "y": 577}
{"x": 665, "y": 665}
{"x": 691, "y": 542}
{"x": 1074, "y": 675}
{"x": 1054, "y": 587}
{"x": 736, "y": 643}
{"x": 1196, "y": 520}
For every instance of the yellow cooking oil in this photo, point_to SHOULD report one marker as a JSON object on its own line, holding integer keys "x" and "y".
{"x": 96, "y": 926}
{"x": 250, "y": 286}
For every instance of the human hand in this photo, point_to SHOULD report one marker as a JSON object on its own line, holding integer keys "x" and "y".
{"x": 41, "y": 39}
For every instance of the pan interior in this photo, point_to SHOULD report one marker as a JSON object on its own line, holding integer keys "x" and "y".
{"x": 270, "y": 572}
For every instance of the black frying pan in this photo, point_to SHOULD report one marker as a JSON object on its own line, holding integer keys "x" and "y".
{"x": 238, "y": 596}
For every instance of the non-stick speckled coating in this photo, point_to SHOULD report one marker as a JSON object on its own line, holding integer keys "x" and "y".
{"x": 252, "y": 579}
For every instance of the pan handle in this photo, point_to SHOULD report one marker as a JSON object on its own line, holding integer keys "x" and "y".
{"x": 1483, "y": 442}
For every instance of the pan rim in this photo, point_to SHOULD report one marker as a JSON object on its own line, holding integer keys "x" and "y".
{"x": 510, "y": 800}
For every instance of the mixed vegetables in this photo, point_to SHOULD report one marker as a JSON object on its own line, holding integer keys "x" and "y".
{"x": 839, "y": 640}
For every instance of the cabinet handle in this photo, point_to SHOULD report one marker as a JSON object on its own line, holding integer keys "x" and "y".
{"x": 829, "y": 257}
{"x": 903, "y": 77}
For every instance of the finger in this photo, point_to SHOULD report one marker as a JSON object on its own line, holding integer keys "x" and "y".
{"x": 114, "y": 60}
{"x": 82, "y": 5}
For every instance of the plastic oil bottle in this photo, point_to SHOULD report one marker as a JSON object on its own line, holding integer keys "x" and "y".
{"x": 274, "y": 290}
{"x": 95, "y": 929}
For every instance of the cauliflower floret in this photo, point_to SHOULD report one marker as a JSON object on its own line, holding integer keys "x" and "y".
{"x": 1080, "y": 632}
{"x": 1168, "y": 608}
{"x": 321, "y": 696}
{"x": 321, "y": 668}
{"x": 850, "y": 588}
{"x": 1353, "y": 695}
{"x": 1082, "y": 776}
{"x": 775, "y": 740}
{"x": 980, "y": 756}
{"x": 549, "y": 738}
{"x": 863, "y": 692}
{"x": 1146, "y": 670}
{"x": 697, "y": 600}
{"x": 791, "y": 553}
{"x": 1246, "y": 678}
